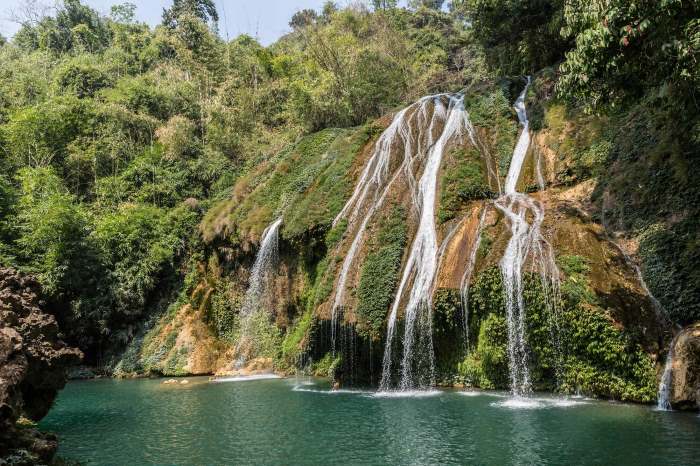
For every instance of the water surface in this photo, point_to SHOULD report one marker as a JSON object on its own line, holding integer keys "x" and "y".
{"x": 282, "y": 422}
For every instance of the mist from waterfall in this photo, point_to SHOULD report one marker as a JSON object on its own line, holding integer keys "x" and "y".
{"x": 257, "y": 296}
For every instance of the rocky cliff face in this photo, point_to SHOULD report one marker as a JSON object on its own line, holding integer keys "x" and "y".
{"x": 33, "y": 361}
{"x": 603, "y": 337}
{"x": 685, "y": 386}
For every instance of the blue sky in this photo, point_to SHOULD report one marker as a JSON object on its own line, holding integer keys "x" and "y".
{"x": 266, "y": 19}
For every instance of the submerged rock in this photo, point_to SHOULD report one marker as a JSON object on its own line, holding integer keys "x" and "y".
{"x": 33, "y": 364}
{"x": 685, "y": 385}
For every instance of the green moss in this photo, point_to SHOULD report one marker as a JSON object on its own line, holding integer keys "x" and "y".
{"x": 223, "y": 311}
{"x": 380, "y": 273}
{"x": 462, "y": 180}
{"x": 490, "y": 110}
{"x": 669, "y": 261}
{"x": 176, "y": 362}
{"x": 487, "y": 366}
{"x": 326, "y": 187}
{"x": 294, "y": 342}
{"x": 594, "y": 354}
{"x": 581, "y": 141}
{"x": 307, "y": 183}
{"x": 327, "y": 366}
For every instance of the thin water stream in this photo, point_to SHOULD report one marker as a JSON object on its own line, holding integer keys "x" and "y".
{"x": 257, "y": 295}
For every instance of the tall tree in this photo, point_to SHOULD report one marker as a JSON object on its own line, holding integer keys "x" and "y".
{"x": 303, "y": 18}
{"x": 434, "y": 4}
{"x": 518, "y": 36}
{"x": 202, "y": 9}
{"x": 384, "y": 4}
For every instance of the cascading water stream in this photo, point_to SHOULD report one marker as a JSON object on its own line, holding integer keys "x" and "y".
{"x": 664, "y": 398}
{"x": 399, "y": 134}
{"x": 525, "y": 216}
{"x": 418, "y": 366}
{"x": 516, "y": 163}
{"x": 257, "y": 294}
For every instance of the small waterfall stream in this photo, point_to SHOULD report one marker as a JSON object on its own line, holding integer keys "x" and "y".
{"x": 418, "y": 365}
{"x": 525, "y": 216}
{"x": 664, "y": 398}
{"x": 257, "y": 294}
{"x": 374, "y": 179}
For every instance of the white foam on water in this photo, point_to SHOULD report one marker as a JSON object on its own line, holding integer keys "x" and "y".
{"x": 406, "y": 394}
{"x": 471, "y": 394}
{"x": 342, "y": 391}
{"x": 537, "y": 403}
{"x": 518, "y": 403}
{"x": 246, "y": 378}
{"x": 566, "y": 402}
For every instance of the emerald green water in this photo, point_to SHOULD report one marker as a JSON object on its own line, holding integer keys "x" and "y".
{"x": 272, "y": 422}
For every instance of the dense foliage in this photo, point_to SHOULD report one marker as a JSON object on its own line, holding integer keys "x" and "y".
{"x": 116, "y": 137}
{"x": 132, "y": 158}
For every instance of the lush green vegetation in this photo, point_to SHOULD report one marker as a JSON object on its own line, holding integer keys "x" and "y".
{"x": 117, "y": 137}
{"x": 139, "y": 167}
{"x": 594, "y": 355}
{"x": 380, "y": 274}
{"x": 462, "y": 180}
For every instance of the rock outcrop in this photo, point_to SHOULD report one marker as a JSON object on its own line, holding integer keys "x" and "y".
{"x": 33, "y": 363}
{"x": 685, "y": 385}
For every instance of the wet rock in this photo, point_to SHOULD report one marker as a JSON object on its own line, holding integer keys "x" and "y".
{"x": 685, "y": 385}
{"x": 33, "y": 364}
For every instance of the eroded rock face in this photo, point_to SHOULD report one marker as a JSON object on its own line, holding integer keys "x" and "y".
{"x": 33, "y": 362}
{"x": 685, "y": 388}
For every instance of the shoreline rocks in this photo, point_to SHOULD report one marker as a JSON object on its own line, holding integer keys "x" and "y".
{"x": 33, "y": 364}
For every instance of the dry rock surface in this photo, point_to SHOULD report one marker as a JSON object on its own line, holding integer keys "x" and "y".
{"x": 685, "y": 389}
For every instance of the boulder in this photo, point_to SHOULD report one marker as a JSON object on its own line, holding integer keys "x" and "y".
{"x": 685, "y": 377}
{"x": 33, "y": 364}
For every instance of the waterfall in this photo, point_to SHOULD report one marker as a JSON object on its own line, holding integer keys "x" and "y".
{"x": 664, "y": 398}
{"x": 418, "y": 365}
{"x": 516, "y": 163}
{"x": 525, "y": 216}
{"x": 257, "y": 294}
{"x": 375, "y": 181}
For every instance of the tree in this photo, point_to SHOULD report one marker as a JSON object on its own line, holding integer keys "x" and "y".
{"x": 303, "y": 18}
{"x": 76, "y": 26}
{"x": 328, "y": 10}
{"x": 124, "y": 13}
{"x": 7, "y": 221}
{"x": 518, "y": 36}
{"x": 202, "y": 9}
{"x": 622, "y": 52}
{"x": 433, "y": 4}
{"x": 384, "y": 4}
{"x": 3, "y": 41}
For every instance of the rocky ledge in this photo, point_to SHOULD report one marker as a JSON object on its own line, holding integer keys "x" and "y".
{"x": 685, "y": 386}
{"x": 33, "y": 364}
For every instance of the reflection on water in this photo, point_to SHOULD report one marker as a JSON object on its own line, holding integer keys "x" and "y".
{"x": 294, "y": 421}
